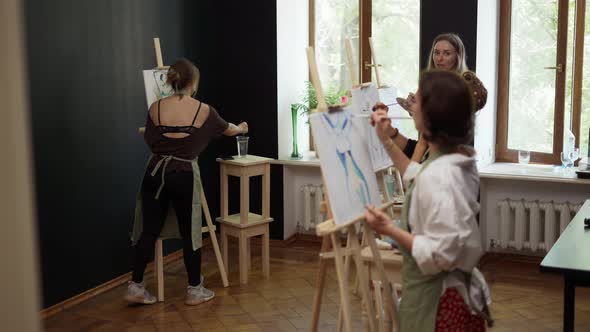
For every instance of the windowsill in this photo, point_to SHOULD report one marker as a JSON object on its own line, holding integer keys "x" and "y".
{"x": 530, "y": 172}
{"x": 308, "y": 159}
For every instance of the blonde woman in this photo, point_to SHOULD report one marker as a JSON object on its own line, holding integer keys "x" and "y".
{"x": 447, "y": 53}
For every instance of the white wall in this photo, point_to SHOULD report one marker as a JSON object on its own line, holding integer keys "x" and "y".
{"x": 292, "y": 70}
{"x": 294, "y": 178}
{"x": 19, "y": 304}
{"x": 487, "y": 69}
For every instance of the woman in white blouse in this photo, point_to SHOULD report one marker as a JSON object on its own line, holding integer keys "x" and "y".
{"x": 439, "y": 237}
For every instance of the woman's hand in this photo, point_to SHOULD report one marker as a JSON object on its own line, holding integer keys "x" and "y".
{"x": 243, "y": 127}
{"x": 382, "y": 124}
{"x": 378, "y": 220}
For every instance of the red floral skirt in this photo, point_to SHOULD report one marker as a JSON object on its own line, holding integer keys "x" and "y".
{"x": 454, "y": 314}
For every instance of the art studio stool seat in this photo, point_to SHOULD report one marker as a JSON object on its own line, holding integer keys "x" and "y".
{"x": 245, "y": 224}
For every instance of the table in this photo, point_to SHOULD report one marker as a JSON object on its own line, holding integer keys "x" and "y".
{"x": 570, "y": 256}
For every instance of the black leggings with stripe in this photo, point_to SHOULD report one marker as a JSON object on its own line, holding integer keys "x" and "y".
{"x": 178, "y": 192}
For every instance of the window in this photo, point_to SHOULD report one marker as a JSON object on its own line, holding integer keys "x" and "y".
{"x": 540, "y": 88}
{"x": 394, "y": 26}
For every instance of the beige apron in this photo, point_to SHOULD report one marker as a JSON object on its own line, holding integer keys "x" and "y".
{"x": 170, "y": 228}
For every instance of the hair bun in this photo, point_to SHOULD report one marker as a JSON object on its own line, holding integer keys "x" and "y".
{"x": 480, "y": 93}
{"x": 173, "y": 75}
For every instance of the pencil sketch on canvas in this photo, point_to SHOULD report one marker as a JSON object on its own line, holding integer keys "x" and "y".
{"x": 363, "y": 100}
{"x": 155, "y": 85}
{"x": 345, "y": 162}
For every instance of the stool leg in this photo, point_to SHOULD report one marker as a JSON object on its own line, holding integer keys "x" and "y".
{"x": 159, "y": 269}
{"x": 224, "y": 248}
{"x": 265, "y": 253}
{"x": 243, "y": 259}
{"x": 249, "y": 253}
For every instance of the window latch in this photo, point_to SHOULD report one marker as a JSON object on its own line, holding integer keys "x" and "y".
{"x": 559, "y": 68}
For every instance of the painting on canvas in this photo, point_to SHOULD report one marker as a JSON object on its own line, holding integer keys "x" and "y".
{"x": 155, "y": 85}
{"x": 345, "y": 162}
{"x": 363, "y": 100}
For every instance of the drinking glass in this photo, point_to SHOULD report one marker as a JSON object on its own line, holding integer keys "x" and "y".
{"x": 524, "y": 157}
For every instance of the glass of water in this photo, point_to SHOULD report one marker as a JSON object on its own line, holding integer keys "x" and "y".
{"x": 242, "y": 146}
{"x": 524, "y": 157}
{"x": 566, "y": 159}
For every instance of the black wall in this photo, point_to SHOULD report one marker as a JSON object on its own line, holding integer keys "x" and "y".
{"x": 455, "y": 16}
{"x": 236, "y": 53}
{"x": 87, "y": 101}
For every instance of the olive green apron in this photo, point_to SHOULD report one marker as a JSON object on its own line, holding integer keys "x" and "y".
{"x": 170, "y": 228}
{"x": 421, "y": 293}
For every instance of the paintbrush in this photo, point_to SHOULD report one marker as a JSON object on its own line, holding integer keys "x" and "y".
{"x": 368, "y": 115}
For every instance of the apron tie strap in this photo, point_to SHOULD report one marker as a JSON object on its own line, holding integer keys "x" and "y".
{"x": 164, "y": 163}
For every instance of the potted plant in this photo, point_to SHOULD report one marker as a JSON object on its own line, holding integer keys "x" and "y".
{"x": 308, "y": 103}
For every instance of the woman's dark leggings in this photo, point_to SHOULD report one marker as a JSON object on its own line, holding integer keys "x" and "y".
{"x": 178, "y": 190}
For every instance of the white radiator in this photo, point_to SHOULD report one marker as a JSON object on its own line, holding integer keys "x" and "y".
{"x": 313, "y": 196}
{"x": 531, "y": 224}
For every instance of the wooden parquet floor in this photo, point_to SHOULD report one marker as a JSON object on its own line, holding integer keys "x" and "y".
{"x": 523, "y": 298}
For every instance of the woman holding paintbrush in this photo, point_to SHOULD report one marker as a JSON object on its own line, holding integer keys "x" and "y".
{"x": 438, "y": 236}
{"x": 447, "y": 53}
{"x": 178, "y": 129}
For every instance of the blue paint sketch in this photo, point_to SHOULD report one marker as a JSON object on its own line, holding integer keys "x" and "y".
{"x": 156, "y": 87}
{"x": 363, "y": 100}
{"x": 346, "y": 164}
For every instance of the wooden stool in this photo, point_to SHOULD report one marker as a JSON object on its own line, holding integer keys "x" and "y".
{"x": 245, "y": 224}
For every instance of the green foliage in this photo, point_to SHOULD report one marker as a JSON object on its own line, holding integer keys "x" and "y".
{"x": 309, "y": 99}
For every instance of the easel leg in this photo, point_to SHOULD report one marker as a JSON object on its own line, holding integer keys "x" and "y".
{"x": 390, "y": 309}
{"x": 362, "y": 276}
{"x": 159, "y": 269}
{"x": 342, "y": 282}
{"x": 319, "y": 289}
{"x": 346, "y": 273}
{"x": 379, "y": 304}
{"x": 224, "y": 249}
{"x": 356, "y": 278}
{"x": 220, "y": 264}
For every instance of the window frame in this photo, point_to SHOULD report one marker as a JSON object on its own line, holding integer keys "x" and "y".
{"x": 364, "y": 65}
{"x": 365, "y": 31}
{"x": 503, "y": 154}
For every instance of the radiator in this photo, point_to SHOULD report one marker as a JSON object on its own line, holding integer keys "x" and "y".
{"x": 313, "y": 196}
{"x": 531, "y": 224}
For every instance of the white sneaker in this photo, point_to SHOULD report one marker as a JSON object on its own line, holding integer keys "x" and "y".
{"x": 136, "y": 293}
{"x": 198, "y": 294}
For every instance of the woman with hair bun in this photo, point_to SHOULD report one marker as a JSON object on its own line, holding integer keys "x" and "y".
{"x": 178, "y": 129}
{"x": 438, "y": 235}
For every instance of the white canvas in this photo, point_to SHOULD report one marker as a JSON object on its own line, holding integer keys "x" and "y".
{"x": 156, "y": 88}
{"x": 363, "y": 100}
{"x": 345, "y": 162}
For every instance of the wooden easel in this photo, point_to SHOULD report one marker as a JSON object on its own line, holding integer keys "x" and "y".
{"x": 158, "y": 261}
{"x": 381, "y": 174}
{"x": 330, "y": 233}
